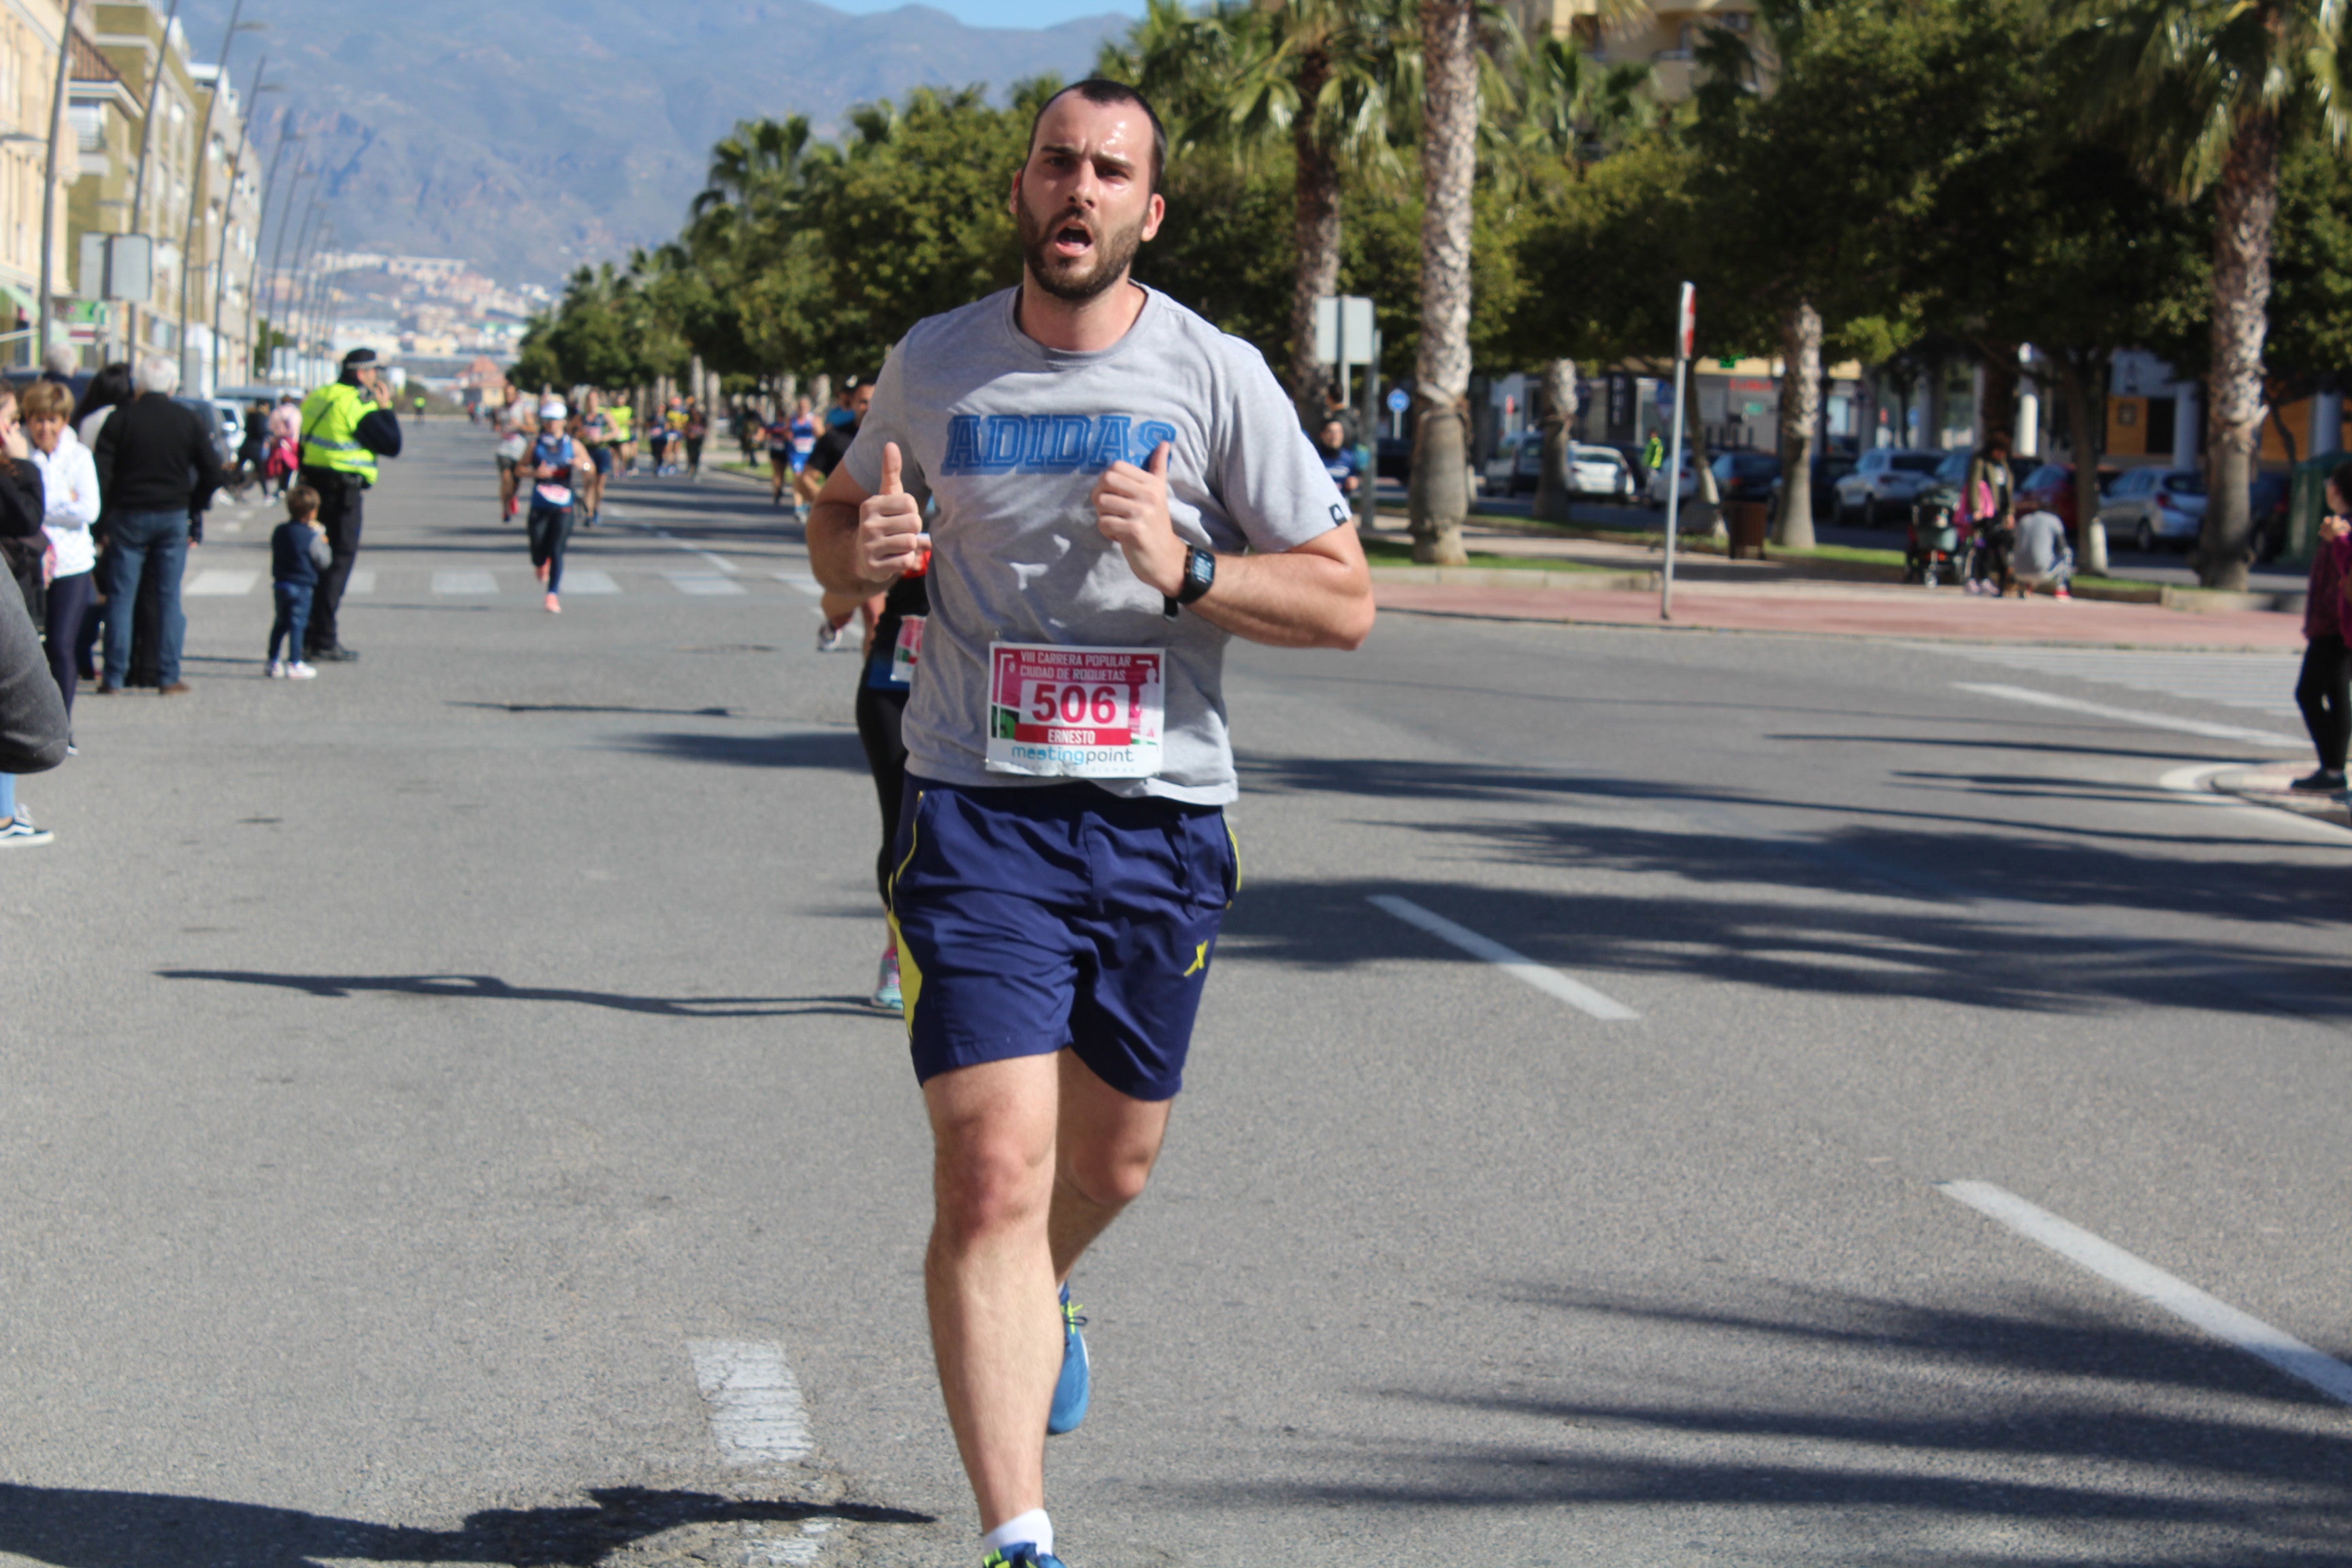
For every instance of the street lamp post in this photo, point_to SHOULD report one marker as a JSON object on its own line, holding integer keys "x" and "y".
{"x": 197, "y": 174}
{"x": 260, "y": 223}
{"x": 278, "y": 259}
{"x": 49, "y": 183}
{"x": 297, "y": 313}
{"x": 228, "y": 202}
{"x": 139, "y": 181}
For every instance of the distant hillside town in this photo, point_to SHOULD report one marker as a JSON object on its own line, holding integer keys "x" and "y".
{"x": 424, "y": 307}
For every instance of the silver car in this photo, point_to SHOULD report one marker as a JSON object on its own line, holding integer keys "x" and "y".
{"x": 1883, "y": 484}
{"x": 2155, "y": 506}
{"x": 1517, "y": 468}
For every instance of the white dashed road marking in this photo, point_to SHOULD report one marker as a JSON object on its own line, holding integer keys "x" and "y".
{"x": 1517, "y": 966}
{"x": 806, "y": 584}
{"x": 458, "y": 584}
{"x": 753, "y": 1400}
{"x": 2236, "y": 732}
{"x": 216, "y": 581}
{"x": 362, "y": 581}
{"x": 2152, "y": 1284}
{"x": 703, "y": 583}
{"x": 588, "y": 580}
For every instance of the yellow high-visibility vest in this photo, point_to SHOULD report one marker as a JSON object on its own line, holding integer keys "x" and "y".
{"x": 330, "y": 427}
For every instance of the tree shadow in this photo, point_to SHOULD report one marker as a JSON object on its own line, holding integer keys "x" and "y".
{"x": 76, "y": 1529}
{"x": 2172, "y": 1447}
{"x": 490, "y": 988}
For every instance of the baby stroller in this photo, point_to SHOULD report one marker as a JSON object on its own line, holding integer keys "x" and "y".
{"x": 1931, "y": 550}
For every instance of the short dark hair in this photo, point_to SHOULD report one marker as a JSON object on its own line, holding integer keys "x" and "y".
{"x": 1998, "y": 442}
{"x": 2342, "y": 479}
{"x": 1101, "y": 90}
{"x": 301, "y": 503}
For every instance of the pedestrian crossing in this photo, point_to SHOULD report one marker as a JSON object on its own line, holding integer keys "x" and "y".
{"x": 2261, "y": 682}
{"x": 483, "y": 583}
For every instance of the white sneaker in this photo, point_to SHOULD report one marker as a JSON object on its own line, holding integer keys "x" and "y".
{"x": 828, "y": 637}
{"x": 298, "y": 670}
{"x": 277, "y": 669}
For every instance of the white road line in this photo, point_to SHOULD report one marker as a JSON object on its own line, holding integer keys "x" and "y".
{"x": 665, "y": 534}
{"x": 702, "y": 583}
{"x": 464, "y": 583}
{"x": 362, "y": 581}
{"x": 588, "y": 580}
{"x": 801, "y": 580}
{"x": 2135, "y": 716}
{"x": 1549, "y": 981}
{"x": 219, "y": 582}
{"x": 2188, "y": 783}
{"x": 754, "y": 1400}
{"x": 2152, "y": 1284}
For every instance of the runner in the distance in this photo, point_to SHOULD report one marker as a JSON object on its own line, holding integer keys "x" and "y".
{"x": 623, "y": 417}
{"x": 825, "y": 454}
{"x": 1121, "y": 488}
{"x": 596, "y": 435}
{"x": 778, "y": 431}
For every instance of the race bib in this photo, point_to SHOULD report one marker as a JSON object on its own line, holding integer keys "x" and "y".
{"x": 908, "y": 652}
{"x": 1075, "y": 712}
{"x": 554, "y": 495}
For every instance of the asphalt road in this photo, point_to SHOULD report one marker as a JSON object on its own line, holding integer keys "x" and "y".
{"x": 412, "y": 1074}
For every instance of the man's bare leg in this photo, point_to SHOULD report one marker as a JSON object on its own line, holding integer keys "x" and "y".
{"x": 988, "y": 1273}
{"x": 1105, "y": 1145}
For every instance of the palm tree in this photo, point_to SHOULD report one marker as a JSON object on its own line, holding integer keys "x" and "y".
{"x": 1325, "y": 75}
{"x": 2207, "y": 95}
{"x": 1449, "y": 164}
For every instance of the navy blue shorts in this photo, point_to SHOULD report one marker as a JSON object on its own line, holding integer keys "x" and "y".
{"x": 603, "y": 457}
{"x": 1033, "y": 918}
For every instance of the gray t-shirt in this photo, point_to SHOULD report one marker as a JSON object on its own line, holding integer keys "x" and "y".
{"x": 2041, "y": 544}
{"x": 1008, "y": 438}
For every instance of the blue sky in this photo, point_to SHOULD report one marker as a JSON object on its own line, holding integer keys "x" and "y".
{"x": 1005, "y": 13}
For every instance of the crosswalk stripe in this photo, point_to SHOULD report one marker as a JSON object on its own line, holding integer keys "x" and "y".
{"x": 802, "y": 582}
{"x": 702, "y": 583}
{"x": 362, "y": 581}
{"x": 588, "y": 580}
{"x": 216, "y": 581}
{"x": 2263, "y": 682}
{"x": 463, "y": 584}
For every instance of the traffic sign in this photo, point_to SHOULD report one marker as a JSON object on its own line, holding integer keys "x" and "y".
{"x": 1399, "y": 400}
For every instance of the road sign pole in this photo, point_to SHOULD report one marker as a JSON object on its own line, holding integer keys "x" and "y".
{"x": 1685, "y": 329}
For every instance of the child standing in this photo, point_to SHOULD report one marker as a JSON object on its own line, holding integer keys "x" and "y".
{"x": 299, "y": 552}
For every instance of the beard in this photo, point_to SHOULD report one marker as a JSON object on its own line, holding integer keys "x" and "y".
{"x": 1083, "y": 277}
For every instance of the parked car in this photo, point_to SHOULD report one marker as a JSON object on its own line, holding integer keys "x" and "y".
{"x": 2051, "y": 487}
{"x": 1654, "y": 492}
{"x": 1517, "y": 469}
{"x": 1885, "y": 480}
{"x": 215, "y": 424}
{"x": 1746, "y": 475}
{"x": 1631, "y": 452}
{"x": 1953, "y": 471}
{"x": 2153, "y": 506}
{"x": 1829, "y": 467}
{"x": 1517, "y": 465}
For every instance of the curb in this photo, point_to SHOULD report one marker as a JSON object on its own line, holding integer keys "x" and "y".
{"x": 2266, "y": 786}
{"x": 1595, "y": 580}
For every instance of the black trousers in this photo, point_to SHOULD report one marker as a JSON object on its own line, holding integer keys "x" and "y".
{"x": 2322, "y": 694}
{"x": 879, "y": 715}
{"x": 338, "y": 514}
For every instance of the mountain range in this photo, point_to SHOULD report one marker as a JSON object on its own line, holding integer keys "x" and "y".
{"x": 529, "y": 136}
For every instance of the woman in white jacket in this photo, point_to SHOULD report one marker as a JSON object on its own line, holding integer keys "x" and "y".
{"x": 70, "y": 482}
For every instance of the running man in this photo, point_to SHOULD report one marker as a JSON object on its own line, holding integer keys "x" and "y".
{"x": 825, "y": 454}
{"x": 595, "y": 433}
{"x": 622, "y": 416}
{"x": 781, "y": 467}
{"x": 518, "y": 428}
{"x": 1120, "y": 488}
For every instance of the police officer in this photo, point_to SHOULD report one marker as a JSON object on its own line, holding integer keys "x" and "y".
{"x": 347, "y": 424}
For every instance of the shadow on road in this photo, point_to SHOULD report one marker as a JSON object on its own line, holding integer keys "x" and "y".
{"x": 801, "y": 749}
{"x": 2112, "y": 1442}
{"x": 490, "y": 988}
{"x": 73, "y": 1528}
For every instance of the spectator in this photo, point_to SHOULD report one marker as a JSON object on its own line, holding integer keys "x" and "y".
{"x": 2039, "y": 556}
{"x": 2322, "y": 691}
{"x": 69, "y": 488}
{"x": 107, "y": 391}
{"x": 157, "y": 471}
{"x": 1987, "y": 502}
{"x": 58, "y": 365}
{"x": 33, "y": 727}
{"x": 1338, "y": 455}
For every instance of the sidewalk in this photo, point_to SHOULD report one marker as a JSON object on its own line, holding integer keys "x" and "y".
{"x": 2267, "y": 786}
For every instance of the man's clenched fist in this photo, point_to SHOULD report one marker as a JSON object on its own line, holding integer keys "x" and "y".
{"x": 1132, "y": 509}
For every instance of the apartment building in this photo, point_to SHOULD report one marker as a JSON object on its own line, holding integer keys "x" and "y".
{"x": 1664, "y": 34}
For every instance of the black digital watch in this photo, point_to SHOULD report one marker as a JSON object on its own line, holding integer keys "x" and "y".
{"x": 1200, "y": 572}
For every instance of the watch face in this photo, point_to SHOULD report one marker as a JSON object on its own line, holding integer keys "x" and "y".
{"x": 1201, "y": 567}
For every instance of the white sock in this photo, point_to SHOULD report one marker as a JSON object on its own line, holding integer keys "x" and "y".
{"x": 1032, "y": 1527}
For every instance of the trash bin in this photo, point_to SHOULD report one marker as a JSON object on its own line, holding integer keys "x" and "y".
{"x": 1750, "y": 521}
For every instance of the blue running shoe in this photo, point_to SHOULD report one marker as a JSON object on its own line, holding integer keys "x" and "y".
{"x": 1020, "y": 1554}
{"x": 1070, "y": 1394}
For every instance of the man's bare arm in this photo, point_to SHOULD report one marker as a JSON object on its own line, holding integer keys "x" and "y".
{"x": 1316, "y": 594}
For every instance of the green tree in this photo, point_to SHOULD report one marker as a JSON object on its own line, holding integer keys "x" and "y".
{"x": 2212, "y": 95}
